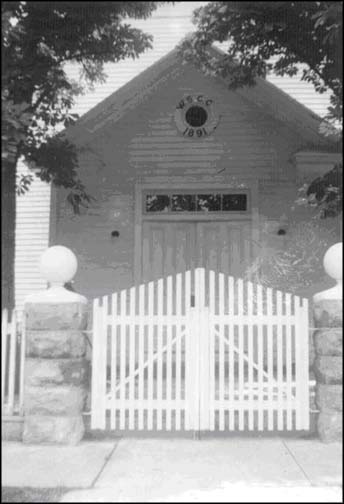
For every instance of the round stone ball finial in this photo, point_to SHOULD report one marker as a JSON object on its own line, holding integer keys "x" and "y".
{"x": 333, "y": 262}
{"x": 58, "y": 265}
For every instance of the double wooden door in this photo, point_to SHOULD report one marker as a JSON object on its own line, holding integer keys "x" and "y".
{"x": 170, "y": 247}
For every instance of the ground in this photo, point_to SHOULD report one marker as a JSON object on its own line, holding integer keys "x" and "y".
{"x": 172, "y": 469}
{"x": 26, "y": 494}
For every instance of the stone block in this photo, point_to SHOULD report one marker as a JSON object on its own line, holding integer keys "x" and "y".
{"x": 328, "y": 313}
{"x": 56, "y": 400}
{"x": 329, "y": 426}
{"x": 55, "y": 344}
{"x": 51, "y": 372}
{"x": 328, "y": 369}
{"x": 329, "y": 397}
{"x": 12, "y": 428}
{"x": 56, "y": 316}
{"x": 53, "y": 429}
{"x": 329, "y": 342}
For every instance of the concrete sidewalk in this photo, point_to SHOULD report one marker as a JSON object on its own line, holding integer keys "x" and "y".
{"x": 177, "y": 470}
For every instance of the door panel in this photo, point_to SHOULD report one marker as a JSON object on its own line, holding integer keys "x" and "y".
{"x": 172, "y": 247}
{"x": 168, "y": 248}
{"x": 224, "y": 246}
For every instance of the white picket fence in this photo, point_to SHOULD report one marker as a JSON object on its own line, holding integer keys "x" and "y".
{"x": 12, "y": 363}
{"x": 200, "y": 351}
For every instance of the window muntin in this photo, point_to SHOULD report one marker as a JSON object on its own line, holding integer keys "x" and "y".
{"x": 199, "y": 202}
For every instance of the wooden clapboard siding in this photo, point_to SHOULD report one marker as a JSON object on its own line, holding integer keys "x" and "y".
{"x": 303, "y": 92}
{"x": 266, "y": 96}
{"x": 104, "y": 262}
{"x": 32, "y": 237}
{"x": 131, "y": 137}
{"x": 314, "y": 164}
{"x": 129, "y": 134}
{"x": 246, "y": 142}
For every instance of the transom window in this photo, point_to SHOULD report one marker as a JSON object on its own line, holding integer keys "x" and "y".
{"x": 196, "y": 202}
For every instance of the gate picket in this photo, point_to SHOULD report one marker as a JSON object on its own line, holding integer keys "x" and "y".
{"x": 270, "y": 360}
{"x": 229, "y": 365}
{"x": 231, "y": 361}
{"x": 212, "y": 358}
{"x": 188, "y": 354}
{"x": 160, "y": 332}
{"x": 113, "y": 360}
{"x": 150, "y": 402}
{"x": 260, "y": 342}
{"x": 250, "y": 355}
{"x": 221, "y": 354}
{"x": 241, "y": 352}
{"x": 178, "y": 352}
{"x": 122, "y": 389}
{"x": 141, "y": 358}
{"x": 280, "y": 384}
{"x": 169, "y": 311}
{"x": 132, "y": 360}
{"x": 288, "y": 362}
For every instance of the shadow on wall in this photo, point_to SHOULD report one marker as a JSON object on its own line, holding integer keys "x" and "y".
{"x": 293, "y": 263}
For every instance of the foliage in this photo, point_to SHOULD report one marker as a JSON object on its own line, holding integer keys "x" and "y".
{"x": 38, "y": 38}
{"x": 297, "y": 265}
{"x": 293, "y": 33}
{"x": 278, "y": 37}
{"x": 324, "y": 193}
{"x": 23, "y": 184}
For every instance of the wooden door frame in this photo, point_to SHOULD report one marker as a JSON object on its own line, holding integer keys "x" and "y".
{"x": 250, "y": 185}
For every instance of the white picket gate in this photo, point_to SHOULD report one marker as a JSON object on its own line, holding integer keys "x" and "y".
{"x": 12, "y": 363}
{"x": 200, "y": 351}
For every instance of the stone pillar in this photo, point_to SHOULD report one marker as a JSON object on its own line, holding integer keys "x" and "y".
{"x": 55, "y": 364}
{"x": 328, "y": 341}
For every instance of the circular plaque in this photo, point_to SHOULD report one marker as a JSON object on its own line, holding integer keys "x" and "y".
{"x": 195, "y": 116}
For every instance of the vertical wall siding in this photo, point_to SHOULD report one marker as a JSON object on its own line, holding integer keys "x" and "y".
{"x": 32, "y": 237}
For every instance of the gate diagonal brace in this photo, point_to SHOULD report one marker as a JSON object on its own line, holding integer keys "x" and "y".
{"x": 138, "y": 370}
{"x": 249, "y": 361}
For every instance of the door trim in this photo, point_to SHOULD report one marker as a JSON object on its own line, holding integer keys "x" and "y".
{"x": 177, "y": 183}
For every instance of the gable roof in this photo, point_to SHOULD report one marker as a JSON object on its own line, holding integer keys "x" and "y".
{"x": 264, "y": 95}
{"x": 128, "y": 96}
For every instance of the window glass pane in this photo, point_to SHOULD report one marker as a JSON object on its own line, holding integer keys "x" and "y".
{"x": 183, "y": 203}
{"x": 208, "y": 202}
{"x": 157, "y": 203}
{"x": 234, "y": 202}
{"x": 192, "y": 202}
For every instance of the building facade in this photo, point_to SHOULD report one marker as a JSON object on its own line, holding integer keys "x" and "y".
{"x": 185, "y": 173}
